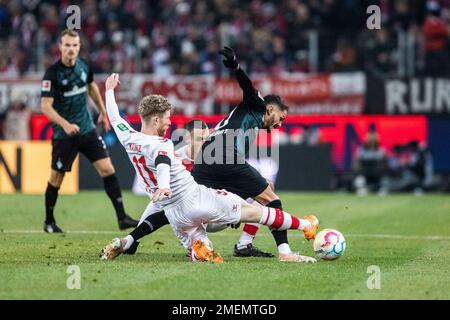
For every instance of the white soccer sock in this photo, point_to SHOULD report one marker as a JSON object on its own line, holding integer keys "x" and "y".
{"x": 247, "y": 235}
{"x": 129, "y": 241}
{"x": 284, "y": 248}
{"x": 244, "y": 240}
{"x": 249, "y": 230}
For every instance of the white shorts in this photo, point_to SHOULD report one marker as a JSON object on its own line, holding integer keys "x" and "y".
{"x": 203, "y": 206}
{"x": 153, "y": 208}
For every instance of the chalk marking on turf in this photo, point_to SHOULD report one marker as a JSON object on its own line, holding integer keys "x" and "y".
{"x": 356, "y": 235}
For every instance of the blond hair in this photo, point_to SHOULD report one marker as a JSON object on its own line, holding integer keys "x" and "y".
{"x": 68, "y": 32}
{"x": 153, "y": 104}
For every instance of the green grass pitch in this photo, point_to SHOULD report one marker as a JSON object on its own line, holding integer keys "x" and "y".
{"x": 407, "y": 237}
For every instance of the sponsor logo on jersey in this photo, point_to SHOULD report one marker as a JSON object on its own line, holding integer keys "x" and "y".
{"x": 75, "y": 91}
{"x": 134, "y": 147}
{"x": 46, "y": 85}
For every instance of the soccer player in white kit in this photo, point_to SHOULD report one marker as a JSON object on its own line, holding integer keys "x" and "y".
{"x": 187, "y": 205}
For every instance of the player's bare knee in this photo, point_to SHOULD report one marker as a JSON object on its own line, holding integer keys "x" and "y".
{"x": 255, "y": 214}
{"x": 266, "y": 196}
{"x": 56, "y": 178}
{"x": 107, "y": 172}
{"x": 271, "y": 185}
{"x": 104, "y": 167}
{"x": 250, "y": 213}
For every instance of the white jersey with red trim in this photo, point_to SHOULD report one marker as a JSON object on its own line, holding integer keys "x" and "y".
{"x": 143, "y": 149}
{"x": 181, "y": 153}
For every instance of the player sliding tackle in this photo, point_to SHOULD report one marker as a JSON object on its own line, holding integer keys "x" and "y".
{"x": 187, "y": 205}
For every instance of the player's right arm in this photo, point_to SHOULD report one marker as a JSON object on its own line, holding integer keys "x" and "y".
{"x": 47, "y": 98}
{"x": 50, "y": 112}
{"x": 120, "y": 126}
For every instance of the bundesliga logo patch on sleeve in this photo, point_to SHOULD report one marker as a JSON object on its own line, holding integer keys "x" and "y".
{"x": 122, "y": 127}
{"x": 46, "y": 85}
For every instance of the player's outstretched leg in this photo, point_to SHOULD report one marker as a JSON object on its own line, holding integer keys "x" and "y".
{"x": 130, "y": 243}
{"x": 284, "y": 251}
{"x": 277, "y": 219}
{"x": 280, "y": 237}
{"x": 149, "y": 225}
{"x": 113, "y": 249}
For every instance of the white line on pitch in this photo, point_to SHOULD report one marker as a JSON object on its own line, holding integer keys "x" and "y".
{"x": 356, "y": 235}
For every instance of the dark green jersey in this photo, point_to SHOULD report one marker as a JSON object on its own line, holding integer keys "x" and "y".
{"x": 69, "y": 86}
{"x": 242, "y": 125}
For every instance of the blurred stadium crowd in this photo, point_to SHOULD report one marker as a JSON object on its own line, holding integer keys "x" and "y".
{"x": 182, "y": 36}
{"x": 271, "y": 37}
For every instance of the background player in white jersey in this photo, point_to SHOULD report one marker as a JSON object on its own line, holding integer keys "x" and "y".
{"x": 188, "y": 205}
{"x": 196, "y": 132}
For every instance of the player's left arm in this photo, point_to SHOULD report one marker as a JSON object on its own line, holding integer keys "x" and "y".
{"x": 252, "y": 97}
{"x": 94, "y": 93}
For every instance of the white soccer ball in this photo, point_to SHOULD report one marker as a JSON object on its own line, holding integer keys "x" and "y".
{"x": 329, "y": 244}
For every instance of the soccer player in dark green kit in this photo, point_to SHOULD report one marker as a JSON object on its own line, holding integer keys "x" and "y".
{"x": 65, "y": 87}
